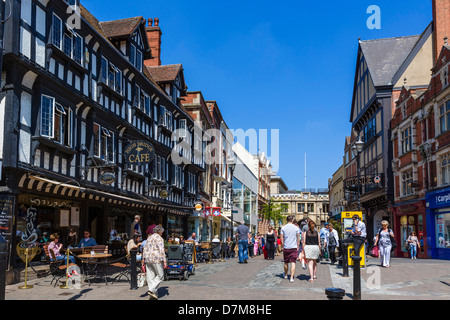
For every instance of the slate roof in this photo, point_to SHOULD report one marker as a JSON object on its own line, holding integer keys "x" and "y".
{"x": 385, "y": 56}
{"x": 165, "y": 73}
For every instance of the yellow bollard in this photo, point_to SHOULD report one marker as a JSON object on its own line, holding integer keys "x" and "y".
{"x": 25, "y": 286}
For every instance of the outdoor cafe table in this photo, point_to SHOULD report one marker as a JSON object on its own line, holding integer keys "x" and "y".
{"x": 90, "y": 263}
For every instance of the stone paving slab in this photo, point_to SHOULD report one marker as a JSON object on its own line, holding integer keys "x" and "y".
{"x": 263, "y": 280}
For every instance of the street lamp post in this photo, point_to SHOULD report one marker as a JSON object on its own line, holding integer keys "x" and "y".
{"x": 232, "y": 166}
{"x": 357, "y": 149}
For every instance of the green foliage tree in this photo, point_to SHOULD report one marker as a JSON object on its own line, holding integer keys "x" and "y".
{"x": 274, "y": 212}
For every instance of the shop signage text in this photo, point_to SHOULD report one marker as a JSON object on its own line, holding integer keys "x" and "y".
{"x": 362, "y": 180}
{"x": 139, "y": 152}
{"x": 107, "y": 178}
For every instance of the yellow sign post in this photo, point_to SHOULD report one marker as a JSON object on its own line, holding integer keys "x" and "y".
{"x": 347, "y": 226}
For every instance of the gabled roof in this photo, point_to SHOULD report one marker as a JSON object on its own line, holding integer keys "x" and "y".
{"x": 165, "y": 73}
{"x": 121, "y": 28}
{"x": 385, "y": 56}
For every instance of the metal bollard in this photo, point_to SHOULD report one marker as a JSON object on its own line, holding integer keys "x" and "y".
{"x": 133, "y": 272}
{"x": 345, "y": 260}
{"x": 356, "y": 277}
{"x": 335, "y": 293}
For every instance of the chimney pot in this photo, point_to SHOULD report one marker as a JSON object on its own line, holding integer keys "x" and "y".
{"x": 150, "y": 22}
{"x": 156, "y": 22}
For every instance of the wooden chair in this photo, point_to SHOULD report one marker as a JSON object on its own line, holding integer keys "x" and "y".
{"x": 57, "y": 268}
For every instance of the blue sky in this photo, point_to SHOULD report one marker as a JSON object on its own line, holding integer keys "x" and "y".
{"x": 286, "y": 65}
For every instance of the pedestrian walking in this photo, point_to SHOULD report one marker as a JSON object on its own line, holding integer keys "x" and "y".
{"x": 154, "y": 257}
{"x": 270, "y": 243}
{"x": 279, "y": 248}
{"x": 251, "y": 245}
{"x": 331, "y": 242}
{"x": 242, "y": 235}
{"x": 311, "y": 241}
{"x": 322, "y": 234}
{"x": 384, "y": 242}
{"x": 255, "y": 245}
{"x": 413, "y": 243}
{"x": 290, "y": 241}
{"x": 136, "y": 226}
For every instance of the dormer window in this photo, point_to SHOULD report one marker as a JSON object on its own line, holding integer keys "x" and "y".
{"x": 136, "y": 57}
{"x": 111, "y": 76}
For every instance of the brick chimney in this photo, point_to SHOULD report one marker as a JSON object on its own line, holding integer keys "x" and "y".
{"x": 441, "y": 21}
{"x": 154, "y": 39}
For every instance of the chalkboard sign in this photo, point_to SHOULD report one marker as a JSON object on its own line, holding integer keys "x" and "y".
{"x": 7, "y": 205}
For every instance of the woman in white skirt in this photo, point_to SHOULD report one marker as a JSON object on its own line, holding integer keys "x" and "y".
{"x": 311, "y": 248}
{"x": 383, "y": 240}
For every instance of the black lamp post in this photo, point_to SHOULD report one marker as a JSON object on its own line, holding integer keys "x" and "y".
{"x": 232, "y": 166}
{"x": 357, "y": 149}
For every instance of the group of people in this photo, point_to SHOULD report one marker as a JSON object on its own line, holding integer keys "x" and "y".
{"x": 308, "y": 245}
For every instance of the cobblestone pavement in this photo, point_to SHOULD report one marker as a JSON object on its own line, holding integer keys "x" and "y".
{"x": 261, "y": 279}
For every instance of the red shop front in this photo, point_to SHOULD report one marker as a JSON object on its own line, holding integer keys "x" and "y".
{"x": 409, "y": 218}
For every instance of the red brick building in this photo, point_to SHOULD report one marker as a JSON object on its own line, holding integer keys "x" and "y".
{"x": 421, "y": 144}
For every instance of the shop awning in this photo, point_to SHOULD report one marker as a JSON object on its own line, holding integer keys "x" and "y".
{"x": 64, "y": 189}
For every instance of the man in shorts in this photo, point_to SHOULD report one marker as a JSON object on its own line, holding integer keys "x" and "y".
{"x": 290, "y": 242}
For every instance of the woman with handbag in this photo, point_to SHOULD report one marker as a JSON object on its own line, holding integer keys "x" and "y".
{"x": 384, "y": 241}
{"x": 311, "y": 247}
{"x": 413, "y": 245}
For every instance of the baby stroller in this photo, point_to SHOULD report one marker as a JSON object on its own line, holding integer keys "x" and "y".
{"x": 179, "y": 262}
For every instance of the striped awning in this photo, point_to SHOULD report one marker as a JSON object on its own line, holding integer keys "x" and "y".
{"x": 66, "y": 189}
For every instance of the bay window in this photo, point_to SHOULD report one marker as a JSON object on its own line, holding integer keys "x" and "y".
{"x": 103, "y": 143}
{"x": 56, "y": 121}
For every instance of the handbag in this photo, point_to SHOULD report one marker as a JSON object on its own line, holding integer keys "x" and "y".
{"x": 375, "y": 252}
{"x": 394, "y": 243}
{"x": 142, "y": 277}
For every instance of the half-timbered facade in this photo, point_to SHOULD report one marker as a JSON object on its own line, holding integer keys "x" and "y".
{"x": 75, "y": 93}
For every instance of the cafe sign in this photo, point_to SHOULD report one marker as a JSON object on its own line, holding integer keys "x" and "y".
{"x": 139, "y": 152}
{"x": 107, "y": 178}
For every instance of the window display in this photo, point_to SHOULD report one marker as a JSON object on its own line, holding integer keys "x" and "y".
{"x": 443, "y": 230}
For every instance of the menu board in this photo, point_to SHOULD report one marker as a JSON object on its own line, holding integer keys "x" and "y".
{"x": 7, "y": 204}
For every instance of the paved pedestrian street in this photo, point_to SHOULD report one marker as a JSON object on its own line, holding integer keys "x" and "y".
{"x": 263, "y": 280}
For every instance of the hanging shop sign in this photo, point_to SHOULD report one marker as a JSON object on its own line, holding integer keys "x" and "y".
{"x": 198, "y": 206}
{"x": 163, "y": 194}
{"x": 362, "y": 180}
{"x": 216, "y": 212}
{"x": 107, "y": 178}
{"x": 139, "y": 152}
{"x": 207, "y": 211}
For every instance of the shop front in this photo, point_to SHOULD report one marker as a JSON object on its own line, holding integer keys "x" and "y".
{"x": 438, "y": 223}
{"x": 410, "y": 218}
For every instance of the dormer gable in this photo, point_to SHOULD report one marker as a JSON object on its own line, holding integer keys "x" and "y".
{"x": 129, "y": 37}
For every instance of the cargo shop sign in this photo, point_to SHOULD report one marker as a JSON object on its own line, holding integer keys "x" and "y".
{"x": 139, "y": 153}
